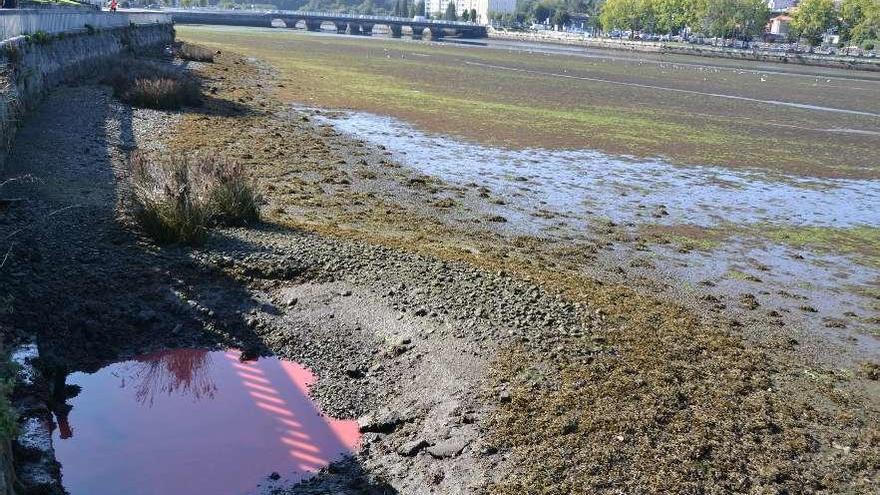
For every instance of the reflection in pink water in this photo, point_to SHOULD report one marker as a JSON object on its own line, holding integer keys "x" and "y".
{"x": 191, "y": 421}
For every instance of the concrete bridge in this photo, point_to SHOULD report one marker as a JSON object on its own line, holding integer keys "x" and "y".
{"x": 344, "y": 23}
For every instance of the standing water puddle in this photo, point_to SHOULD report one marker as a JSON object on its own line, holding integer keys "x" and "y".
{"x": 194, "y": 421}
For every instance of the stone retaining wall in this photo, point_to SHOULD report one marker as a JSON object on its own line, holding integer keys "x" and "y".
{"x": 30, "y": 66}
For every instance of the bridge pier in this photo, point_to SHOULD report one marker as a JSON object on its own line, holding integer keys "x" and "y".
{"x": 341, "y": 27}
{"x": 396, "y": 30}
{"x": 353, "y": 28}
{"x": 367, "y": 29}
{"x": 468, "y": 33}
{"x": 435, "y": 33}
{"x": 313, "y": 25}
{"x": 417, "y": 32}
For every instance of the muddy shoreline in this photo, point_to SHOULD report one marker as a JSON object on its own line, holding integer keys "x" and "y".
{"x": 451, "y": 340}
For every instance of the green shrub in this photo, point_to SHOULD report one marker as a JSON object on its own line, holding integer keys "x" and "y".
{"x": 40, "y": 38}
{"x": 868, "y": 45}
{"x": 176, "y": 197}
{"x": 194, "y": 53}
{"x": 231, "y": 198}
{"x": 153, "y": 85}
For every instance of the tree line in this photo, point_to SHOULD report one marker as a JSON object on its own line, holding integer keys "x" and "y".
{"x": 855, "y": 20}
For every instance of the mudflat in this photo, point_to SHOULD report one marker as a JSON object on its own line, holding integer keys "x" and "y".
{"x": 481, "y": 344}
{"x": 690, "y": 110}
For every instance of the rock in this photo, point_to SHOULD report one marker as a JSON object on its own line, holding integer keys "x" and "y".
{"x": 448, "y": 448}
{"x": 412, "y": 448}
{"x": 384, "y": 421}
{"x": 274, "y": 476}
{"x": 146, "y": 316}
{"x": 354, "y": 372}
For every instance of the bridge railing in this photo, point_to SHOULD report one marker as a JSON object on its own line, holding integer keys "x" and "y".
{"x": 329, "y": 15}
{"x": 17, "y": 22}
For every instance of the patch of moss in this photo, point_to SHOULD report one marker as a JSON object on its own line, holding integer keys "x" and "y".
{"x": 861, "y": 242}
{"x": 734, "y": 274}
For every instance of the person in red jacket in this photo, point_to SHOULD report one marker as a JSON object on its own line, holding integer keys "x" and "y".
{"x": 113, "y": 5}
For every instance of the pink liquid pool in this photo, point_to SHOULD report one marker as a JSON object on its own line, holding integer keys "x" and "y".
{"x": 190, "y": 421}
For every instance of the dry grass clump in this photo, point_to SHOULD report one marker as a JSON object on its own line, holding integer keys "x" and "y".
{"x": 153, "y": 85}
{"x": 176, "y": 197}
{"x": 194, "y": 53}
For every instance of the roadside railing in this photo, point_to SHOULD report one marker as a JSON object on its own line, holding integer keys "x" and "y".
{"x": 19, "y": 22}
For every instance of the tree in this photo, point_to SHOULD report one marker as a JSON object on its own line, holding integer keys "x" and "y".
{"x": 420, "y": 8}
{"x": 541, "y": 12}
{"x": 735, "y": 18}
{"x": 561, "y": 18}
{"x": 812, "y": 19}
{"x": 671, "y": 16}
{"x": 860, "y": 20}
{"x": 465, "y": 15}
{"x": 626, "y": 15}
{"x": 474, "y": 16}
{"x": 450, "y": 14}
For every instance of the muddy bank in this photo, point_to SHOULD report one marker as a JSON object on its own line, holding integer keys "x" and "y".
{"x": 322, "y": 180}
{"x": 464, "y": 353}
{"x": 378, "y": 327}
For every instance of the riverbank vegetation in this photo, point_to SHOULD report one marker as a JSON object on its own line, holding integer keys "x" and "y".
{"x": 176, "y": 197}
{"x": 193, "y": 53}
{"x": 150, "y": 85}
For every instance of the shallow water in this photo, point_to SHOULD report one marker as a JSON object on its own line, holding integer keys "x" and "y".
{"x": 192, "y": 421}
{"x": 561, "y": 194}
{"x": 585, "y": 182}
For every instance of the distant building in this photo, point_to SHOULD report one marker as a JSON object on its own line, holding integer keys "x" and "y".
{"x": 779, "y": 26}
{"x": 781, "y": 5}
{"x": 483, "y": 7}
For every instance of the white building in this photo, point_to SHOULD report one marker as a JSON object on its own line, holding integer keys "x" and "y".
{"x": 483, "y": 7}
